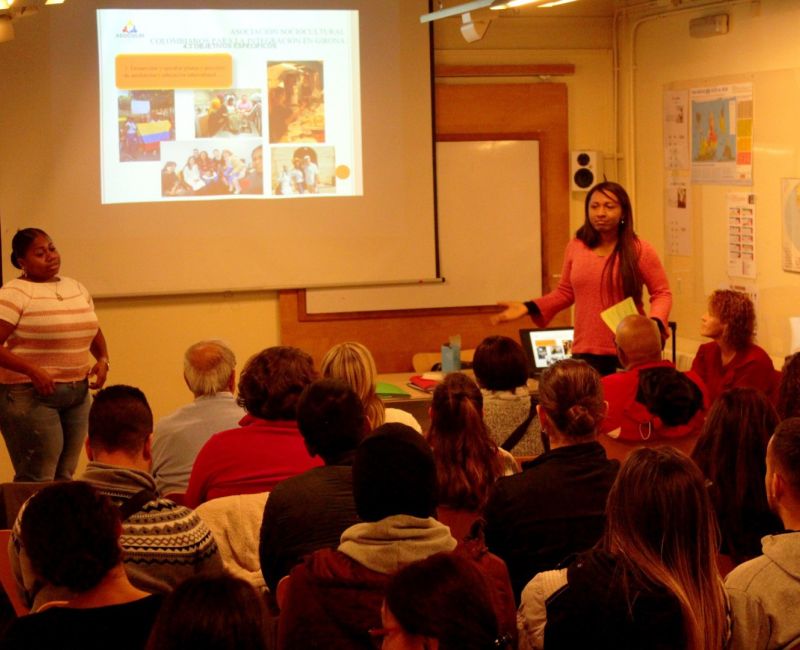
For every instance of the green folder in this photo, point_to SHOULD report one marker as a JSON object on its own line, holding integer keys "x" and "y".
{"x": 384, "y": 389}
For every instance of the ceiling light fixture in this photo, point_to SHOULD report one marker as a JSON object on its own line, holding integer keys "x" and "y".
{"x": 453, "y": 11}
{"x": 555, "y": 3}
{"x": 499, "y": 5}
{"x": 11, "y": 10}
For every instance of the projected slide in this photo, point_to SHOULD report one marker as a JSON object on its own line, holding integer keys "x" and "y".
{"x": 228, "y": 104}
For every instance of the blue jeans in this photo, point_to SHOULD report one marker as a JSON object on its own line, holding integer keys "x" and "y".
{"x": 44, "y": 435}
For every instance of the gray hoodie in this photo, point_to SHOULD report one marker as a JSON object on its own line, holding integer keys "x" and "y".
{"x": 765, "y": 596}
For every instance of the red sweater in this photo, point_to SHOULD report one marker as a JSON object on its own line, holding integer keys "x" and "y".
{"x": 582, "y": 284}
{"x": 252, "y": 458}
{"x": 749, "y": 368}
{"x": 632, "y": 419}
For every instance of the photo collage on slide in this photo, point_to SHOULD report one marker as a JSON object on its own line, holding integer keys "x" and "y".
{"x": 232, "y": 128}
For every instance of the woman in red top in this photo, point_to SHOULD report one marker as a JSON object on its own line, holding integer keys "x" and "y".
{"x": 731, "y": 359}
{"x": 604, "y": 264}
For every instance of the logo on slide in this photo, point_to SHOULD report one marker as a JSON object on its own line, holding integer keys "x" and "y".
{"x": 129, "y": 31}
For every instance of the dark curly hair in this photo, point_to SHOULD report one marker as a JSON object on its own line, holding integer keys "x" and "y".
{"x": 736, "y": 313}
{"x": 70, "y": 533}
{"x": 272, "y": 381}
{"x": 669, "y": 394}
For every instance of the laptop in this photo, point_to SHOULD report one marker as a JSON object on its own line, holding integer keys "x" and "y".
{"x": 546, "y": 346}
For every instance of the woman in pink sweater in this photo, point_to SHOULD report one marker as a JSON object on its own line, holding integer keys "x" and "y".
{"x": 605, "y": 263}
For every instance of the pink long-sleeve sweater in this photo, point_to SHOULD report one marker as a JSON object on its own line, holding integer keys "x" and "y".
{"x": 582, "y": 284}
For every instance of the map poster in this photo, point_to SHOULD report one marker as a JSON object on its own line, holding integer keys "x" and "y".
{"x": 790, "y": 208}
{"x": 742, "y": 234}
{"x": 722, "y": 134}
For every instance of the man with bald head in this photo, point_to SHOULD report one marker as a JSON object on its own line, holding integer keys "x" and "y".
{"x": 650, "y": 399}
{"x": 209, "y": 372}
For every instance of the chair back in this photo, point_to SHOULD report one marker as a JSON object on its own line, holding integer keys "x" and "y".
{"x": 7, "y": 576}
{"x": 13, "y": 495}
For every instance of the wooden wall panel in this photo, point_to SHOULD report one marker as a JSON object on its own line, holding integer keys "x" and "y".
{"x": 507, "y": 111}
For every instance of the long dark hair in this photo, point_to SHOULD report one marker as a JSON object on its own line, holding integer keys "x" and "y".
{"x": 467, "y": 461}
{"x": 660, "y": 525}
{"x": 626, "y": 252}
{"x": 731, "y": 453}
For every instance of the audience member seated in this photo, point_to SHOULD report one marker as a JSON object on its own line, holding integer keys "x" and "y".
{"x": 353, "y": 364}
{"x": 163, "y": 543}
{"x": 789, "y": 388}
{"x": 651, "y": 582}
{"x": 69, "y": 539}
{"x": 311, "y": 511}
{"x": 440, "y": 602}
{"x": 765, "y": 592}
{"x": 211, "y": 613}
{"x": 556, "y": 507}
{"x": 209, "y": 372}
{"x": 651, "y": 399}
{"x": 333, "y": 598}
{"x": 467, "y": 461}
{"x": 501, "y": 369}
{"x": 731, "y": 359}
{"x": 235, "y": 522}
{"x": 731, "y": 454}
{"x": 267, "y": 448}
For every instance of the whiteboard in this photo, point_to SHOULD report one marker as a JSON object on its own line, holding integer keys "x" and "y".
{"x": 489, "y": 234}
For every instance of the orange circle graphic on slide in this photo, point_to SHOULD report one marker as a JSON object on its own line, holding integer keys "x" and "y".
{"x": 342, "y": 171}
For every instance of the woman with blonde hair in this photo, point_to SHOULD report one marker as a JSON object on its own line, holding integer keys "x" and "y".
{"x": 352, "y": 363}
{"x": 652, "y": 580}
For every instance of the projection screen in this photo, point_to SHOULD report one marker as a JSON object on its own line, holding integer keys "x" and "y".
{"x": 233, "y": 147}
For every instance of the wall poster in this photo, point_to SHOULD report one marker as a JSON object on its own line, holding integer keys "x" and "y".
{"x": 722, "y": 134}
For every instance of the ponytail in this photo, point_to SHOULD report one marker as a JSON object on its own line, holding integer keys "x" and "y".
{"x": 467, "y": 460}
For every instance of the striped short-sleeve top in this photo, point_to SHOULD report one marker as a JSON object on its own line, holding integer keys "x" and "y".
{"x": 54, "y": 326}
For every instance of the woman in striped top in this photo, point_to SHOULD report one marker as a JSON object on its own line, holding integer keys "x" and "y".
{"x": 48, "y": 329}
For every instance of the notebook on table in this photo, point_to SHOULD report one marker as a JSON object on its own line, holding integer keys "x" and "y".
{"x": 545, "y": 347}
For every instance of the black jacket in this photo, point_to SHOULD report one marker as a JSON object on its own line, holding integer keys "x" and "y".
{"x": 555, "y": 508}
{"x": 596, "y": 610}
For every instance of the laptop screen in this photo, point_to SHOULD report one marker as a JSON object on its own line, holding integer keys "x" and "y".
{"x": 546, "y": 346}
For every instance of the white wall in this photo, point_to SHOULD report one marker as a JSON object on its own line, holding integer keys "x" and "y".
{"x": 762, "y": 46}
{"x": 585, "y": 42}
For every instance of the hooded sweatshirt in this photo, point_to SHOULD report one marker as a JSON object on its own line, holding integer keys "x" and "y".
{"x": 765, "y": 596}
{"x": 334, "y": 597}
